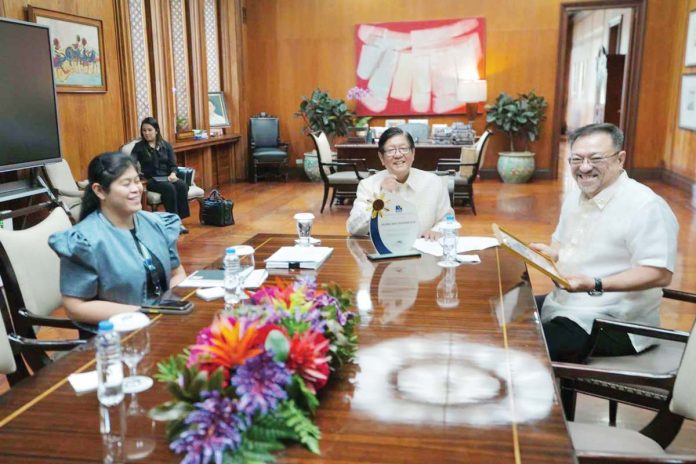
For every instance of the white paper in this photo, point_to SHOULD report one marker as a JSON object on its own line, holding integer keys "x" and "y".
{"x": 253, "y": 279}
{"x": 464, "y": 245}
{"x": 84, "y": 382}
{"x": 469, "y": 259}
{"x": 305, "y": 257}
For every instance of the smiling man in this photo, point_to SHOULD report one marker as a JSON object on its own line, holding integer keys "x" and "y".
{"x": 428, "y": 192}
{"x": 616, "y": 242}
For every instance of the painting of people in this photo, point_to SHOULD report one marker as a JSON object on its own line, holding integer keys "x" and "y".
{"x": 76, "y": 48}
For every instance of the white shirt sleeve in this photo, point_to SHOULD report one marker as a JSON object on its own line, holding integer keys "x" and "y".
{"x": 358, "y": 222}
{"x": 653, "y": 239}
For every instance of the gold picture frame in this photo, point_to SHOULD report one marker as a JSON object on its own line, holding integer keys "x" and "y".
{"x": 538, "y": 260}
{"x": 77, "y": 50}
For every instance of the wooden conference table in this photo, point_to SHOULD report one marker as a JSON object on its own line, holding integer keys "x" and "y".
{"x": 451, "y": 368}
{"x": 426, "y": 158}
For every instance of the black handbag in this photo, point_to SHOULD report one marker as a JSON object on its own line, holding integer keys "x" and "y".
{"x": 216, "y": 211}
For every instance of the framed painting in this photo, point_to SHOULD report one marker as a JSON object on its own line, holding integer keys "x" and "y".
{"x": 217, "y": 110}
{"x": 687, "y": 102}
{"x": 418, "y": 67}
{"x": 690, "y": 52}
{"x": 77, "y": 50}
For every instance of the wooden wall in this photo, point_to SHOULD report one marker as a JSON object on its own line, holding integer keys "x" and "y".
{"x": 89, "y": 123}
{"x": 294, "y": 47}
{"x": 680, "y": 144}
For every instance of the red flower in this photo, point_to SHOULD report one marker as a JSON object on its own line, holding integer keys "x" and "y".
{"x": 308, "y": 358}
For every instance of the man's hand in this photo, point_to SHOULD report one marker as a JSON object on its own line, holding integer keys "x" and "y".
{"x": 580, "y": 283}
{"x": 432, "y": 235}
{"x": 549, "y": 251}
{"x": 172, "y": 177}
{"x": 390, "y": 184}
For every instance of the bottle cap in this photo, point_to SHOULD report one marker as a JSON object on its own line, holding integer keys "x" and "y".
{"x": 450, "y": 217}
{"x": 230, "y": 250}
{"x": 243, "y": 250}
{"x": 105, "y": 326}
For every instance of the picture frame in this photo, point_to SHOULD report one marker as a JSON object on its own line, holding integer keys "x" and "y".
{"x": 537, "y": 260}
{"x": 687, "y": 102}
{"x": 690, "y": 48}
{"x": 77, "y": 50}
{"x": 217, "y": 110}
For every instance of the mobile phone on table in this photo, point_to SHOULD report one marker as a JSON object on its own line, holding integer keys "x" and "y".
{"x": 168, "y": 307}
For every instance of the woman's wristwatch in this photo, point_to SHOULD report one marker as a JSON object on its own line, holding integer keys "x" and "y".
{"x": 598, "y": 289}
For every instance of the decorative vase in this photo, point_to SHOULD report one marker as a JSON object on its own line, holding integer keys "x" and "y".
{"x": 516, "y": 167}
{"x": 311, "y": 166}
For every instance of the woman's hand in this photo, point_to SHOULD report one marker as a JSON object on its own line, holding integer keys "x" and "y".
{"x": 172, "y": 177}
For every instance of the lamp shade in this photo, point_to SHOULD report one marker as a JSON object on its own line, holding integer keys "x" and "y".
{"x": 472, "y": 91}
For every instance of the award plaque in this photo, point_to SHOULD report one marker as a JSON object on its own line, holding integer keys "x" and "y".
{"x": 393, "y": 225}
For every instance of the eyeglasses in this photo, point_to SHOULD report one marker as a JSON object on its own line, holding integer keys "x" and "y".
{"x": 391, "y": 152}
{"x": 592, "y": 160}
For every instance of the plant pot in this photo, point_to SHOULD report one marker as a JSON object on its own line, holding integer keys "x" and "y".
{"x": 311, "y": 166}
{"x": 516, "y": 167}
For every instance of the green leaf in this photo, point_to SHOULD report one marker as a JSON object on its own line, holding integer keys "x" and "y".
{"x": 278, "y": 344}
{"x": 171, "y": 410}
{"x": 303, "y": 396}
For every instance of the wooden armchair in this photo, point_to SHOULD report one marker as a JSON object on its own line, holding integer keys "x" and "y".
{"x": 265, "y": 147}
{"x": 68, "y": 191}
{"x": 343, "y": 182}
{"x": 661, "y": 361}
{"x": 599, "y": 443}
{"x": 463, "y": 172}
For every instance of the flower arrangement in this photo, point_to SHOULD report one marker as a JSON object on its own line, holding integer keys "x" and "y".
{"x": 358, "y": 93}
{"x": 250, "y": 381}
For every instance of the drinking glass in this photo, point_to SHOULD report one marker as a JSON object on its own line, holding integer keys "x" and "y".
{"x": 135, "y": 344}
{"x": 304, "y": 228}
{"x": 447, "y": 291}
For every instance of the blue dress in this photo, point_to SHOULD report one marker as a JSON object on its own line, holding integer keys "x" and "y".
{"x": 101, "y": 262}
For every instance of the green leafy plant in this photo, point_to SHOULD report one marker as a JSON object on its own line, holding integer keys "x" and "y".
{"x": 323, "y": 113}
{"x": 519, "y": 117}
{"x": 362, "y": 122}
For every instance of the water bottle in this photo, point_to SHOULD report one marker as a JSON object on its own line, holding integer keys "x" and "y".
{"x": 450, "y": 230}
{"x": 110, "y": 392}
{"x": 232, "y": 278}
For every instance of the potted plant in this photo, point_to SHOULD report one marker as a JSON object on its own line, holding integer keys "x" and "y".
{"x": 519, "y": 118}
{"x": 320, "y": 112}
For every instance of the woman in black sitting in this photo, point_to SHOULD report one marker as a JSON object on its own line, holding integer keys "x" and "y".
{"x": 158, "y": 165}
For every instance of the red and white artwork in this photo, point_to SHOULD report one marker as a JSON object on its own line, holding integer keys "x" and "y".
{"x": 418, "y": 67}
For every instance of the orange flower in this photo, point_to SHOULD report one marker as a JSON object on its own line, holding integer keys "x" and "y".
{"x": 227, "y": 343}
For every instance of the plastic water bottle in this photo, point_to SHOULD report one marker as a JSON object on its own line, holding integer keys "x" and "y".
{"x": 110, "y": 392}
{"x": 450, "y": 230}
{"x": 232, "y": 278}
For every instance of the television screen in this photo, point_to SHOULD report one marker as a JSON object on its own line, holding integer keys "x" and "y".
{"x": 28, "y": 114}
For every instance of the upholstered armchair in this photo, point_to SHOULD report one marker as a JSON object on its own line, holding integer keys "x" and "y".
{"x": 68, "y": 190}
{"x": 266, "y": 149}
{"x": 463, "y": 172}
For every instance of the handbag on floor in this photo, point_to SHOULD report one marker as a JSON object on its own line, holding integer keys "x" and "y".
{"x": 216, "y": 211}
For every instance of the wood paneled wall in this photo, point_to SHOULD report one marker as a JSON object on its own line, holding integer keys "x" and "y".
{"x": 294, "y": 47}
{"x": 680, "y": 144}
{"x": 89, "y": 123}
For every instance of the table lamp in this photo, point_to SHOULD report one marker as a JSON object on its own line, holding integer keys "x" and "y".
{"x": 472, "y": 93}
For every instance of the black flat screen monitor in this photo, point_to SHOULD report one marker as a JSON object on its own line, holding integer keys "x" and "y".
{"x": 28, "y": 113}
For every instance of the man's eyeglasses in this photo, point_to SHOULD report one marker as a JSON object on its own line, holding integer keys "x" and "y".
{"x": 592, "y": 160}
{"x": 402, "y": 150}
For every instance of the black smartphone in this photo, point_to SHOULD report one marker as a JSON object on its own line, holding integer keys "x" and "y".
{"x": 378, "y": 257}
{"x": 168, "y": 307}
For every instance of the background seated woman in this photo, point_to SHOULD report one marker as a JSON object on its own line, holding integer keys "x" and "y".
{"x": 425, "y": 190}
{"x": 117, "y": 257}
{"x": 158, "y": 165}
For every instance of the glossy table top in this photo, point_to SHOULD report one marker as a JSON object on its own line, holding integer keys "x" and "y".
{"x": 451, "y": 368}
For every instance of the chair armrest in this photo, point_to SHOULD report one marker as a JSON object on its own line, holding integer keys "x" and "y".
{"x": 579, "y": 371}
{"x": 48, "y": 321}
{"x": 361, "y": 161}
{"x": 47, "y": 345}
{"x": 639, "y": 329}
{"x": 593, "y": 457}
{"x": 71, "y": 193}
{"x": 83, "y": 184}
{"x": 338, "y": 164}
{"x": 679, "y": 295}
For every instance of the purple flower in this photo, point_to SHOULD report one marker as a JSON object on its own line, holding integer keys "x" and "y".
{"x": 260, "y": 383}
{"x": 309, "y": 283}
{"x": 357, "y": 93}
{"x": 215, "y": 426}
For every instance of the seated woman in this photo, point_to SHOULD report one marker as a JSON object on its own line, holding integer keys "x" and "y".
{"x": 425, "y": 190}
{"x": 158, "y": 165}
{"x": 117, "y": 257}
